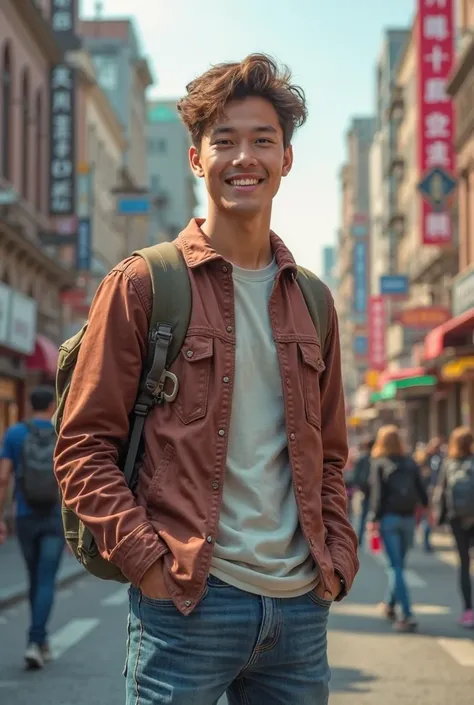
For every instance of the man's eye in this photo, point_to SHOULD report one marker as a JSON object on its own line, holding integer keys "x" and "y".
{"x": 223, "y": 142}
{"x": 265, "y": 140}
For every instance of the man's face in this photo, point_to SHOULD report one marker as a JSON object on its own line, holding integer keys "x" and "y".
{"x": 243, "y": 158}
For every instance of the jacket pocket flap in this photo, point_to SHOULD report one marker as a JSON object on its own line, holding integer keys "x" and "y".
{"x": 197, "y": 347}
{"x": 311, "y": 354}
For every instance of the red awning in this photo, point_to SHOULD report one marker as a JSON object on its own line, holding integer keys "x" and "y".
{"x": 448, "y": 334}
{"x": 404, "y": 373}
{"x": 45, "y": 356}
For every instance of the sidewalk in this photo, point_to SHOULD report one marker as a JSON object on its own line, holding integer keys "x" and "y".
{"x": 13, "y": 583}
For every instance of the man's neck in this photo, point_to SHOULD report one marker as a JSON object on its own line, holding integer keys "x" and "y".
{"x": 244, "y": 242}
{"x": 41, "y": 416}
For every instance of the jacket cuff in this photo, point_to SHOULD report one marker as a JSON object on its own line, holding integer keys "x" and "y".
{"x": 346, "y": 565}
{"x": 137, "y": 552}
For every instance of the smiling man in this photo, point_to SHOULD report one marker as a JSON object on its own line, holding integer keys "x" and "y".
{"x": 236, "y": 540}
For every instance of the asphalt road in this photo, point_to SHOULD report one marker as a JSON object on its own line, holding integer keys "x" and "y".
{"x": 370, "y": 663}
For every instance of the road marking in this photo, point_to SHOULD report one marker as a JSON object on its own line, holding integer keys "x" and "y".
{"x": 71, "y": 634}
{"x": 413, "y": 580}
{"x": 461, "y": 650}
{"x": 356, "y": 609}
{"x": 120, "y": 597}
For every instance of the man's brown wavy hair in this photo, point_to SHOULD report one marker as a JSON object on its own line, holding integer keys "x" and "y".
{"x": 258, "y": 75}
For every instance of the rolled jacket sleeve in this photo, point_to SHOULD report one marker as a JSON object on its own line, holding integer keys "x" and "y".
{"x": 95, "y": 425}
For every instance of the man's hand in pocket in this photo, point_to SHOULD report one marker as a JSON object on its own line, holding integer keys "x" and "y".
{"x": 153, "y": 583}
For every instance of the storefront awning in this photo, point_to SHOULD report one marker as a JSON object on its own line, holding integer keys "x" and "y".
{"x": 449, "y": 334}
{"x": 403, "y": 373}
{"x": 44, "y": 357}
{"x": 390, "y": 390}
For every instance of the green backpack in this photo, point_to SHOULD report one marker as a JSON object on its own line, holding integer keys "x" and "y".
{"x": 171, "y": 312}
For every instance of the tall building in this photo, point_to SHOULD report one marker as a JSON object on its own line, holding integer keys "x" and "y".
{"x": 353, "y": 248}
{"x": 383, "y": 236}
{"x": 124, "y": 74}
{"x": 172, "y": 184}
{"x": 30, "y": 280}
{"x": 330, "y": 267}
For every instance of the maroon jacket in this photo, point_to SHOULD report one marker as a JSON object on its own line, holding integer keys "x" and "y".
{"x": 175, "y": 512}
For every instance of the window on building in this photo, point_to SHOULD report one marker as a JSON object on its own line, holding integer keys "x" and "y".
{"x": 157, "y": 146}
{"x": 107, "y": 72}
{"x": 39, "y": 152}
{"x": 25, "y": 137}
{"x": 7, "y": 136}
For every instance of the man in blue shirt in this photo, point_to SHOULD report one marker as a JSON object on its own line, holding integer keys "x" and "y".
{"x": 39, "y": 530}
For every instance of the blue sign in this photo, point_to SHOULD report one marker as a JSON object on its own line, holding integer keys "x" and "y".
{"x": 84, "y": 245}
{"x": 133, "y": 205}
{"x": 436, "y": 186}
{"x": 361, "y": 345}
{"x": 360, "y": 277}
{"x": 394, "y": 285}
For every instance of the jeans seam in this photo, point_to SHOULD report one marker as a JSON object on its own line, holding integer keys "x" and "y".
{"x": 243, "y": 695}
{"x": 135, "y": 670}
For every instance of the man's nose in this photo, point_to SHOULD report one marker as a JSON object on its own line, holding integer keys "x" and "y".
{"x": 246, "y": 157}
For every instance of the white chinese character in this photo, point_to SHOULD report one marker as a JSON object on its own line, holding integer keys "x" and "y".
{"x": 60, "y": 205}
{"x": 62, "y": 125}
{"x": 62, "y": 22}
{"x": 61, "y": 189}
{"x": 61, "y": 168}
{"x": 61, "y": 102}
{"x": 436, "y": 27}
{"x": 438, "y": 225}
{"x": 62, "y": 149}
{"x": 435, "y": 91}
{"x": 437, "y": 125}
{"x": 62, "y": 78}
{"x": 435, "y": 3}
{"x": 436, "y": 58}
{"x": 437, "y": 154}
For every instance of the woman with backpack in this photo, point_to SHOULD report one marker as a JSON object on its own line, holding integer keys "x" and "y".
{"x": 454, "y": 500}
{"x": 396, "y": 491}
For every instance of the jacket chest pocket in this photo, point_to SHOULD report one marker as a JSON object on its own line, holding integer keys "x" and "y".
{"x": 312, "y": 366}
{"x": 193, "y": 370}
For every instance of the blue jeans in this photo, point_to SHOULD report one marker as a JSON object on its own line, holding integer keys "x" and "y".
{"x": 260, "y": 651}
{"x": 364, "y": 513}
{"x": 42, "y": 542}
{"x": 397, "y": 535}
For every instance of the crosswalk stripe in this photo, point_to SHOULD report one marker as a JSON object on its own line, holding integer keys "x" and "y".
{"x": 71, "y": 634}
{"x": 461, "y": 650}
{"x": 117, "y": 598}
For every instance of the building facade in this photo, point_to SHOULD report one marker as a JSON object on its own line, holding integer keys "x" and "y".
{"x": 353, "y": 253}
{"x": 329, "y": 276}
{"x": 172, "y": 184}
{"x": 124, "y": 74}
{"x": 31, "y": 281}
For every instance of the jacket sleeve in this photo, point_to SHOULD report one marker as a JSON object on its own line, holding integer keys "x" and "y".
{"x": 341, "y": 538}
{"x": 96, "y": 424}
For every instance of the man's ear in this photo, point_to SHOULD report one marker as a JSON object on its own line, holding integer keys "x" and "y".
{"x": 287, "y": 161}
{"x": 195, "y": 162}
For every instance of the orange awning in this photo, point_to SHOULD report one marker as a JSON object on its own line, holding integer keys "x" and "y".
{"x": 44, "y": 357}
{"x": 404, "y": 373}
{"x": 449, "y": 334}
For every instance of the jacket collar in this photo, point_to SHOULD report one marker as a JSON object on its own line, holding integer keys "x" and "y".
{"x": 197, "y": 248}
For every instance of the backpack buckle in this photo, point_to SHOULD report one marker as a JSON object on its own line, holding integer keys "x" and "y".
{"x": 163, "y": 394}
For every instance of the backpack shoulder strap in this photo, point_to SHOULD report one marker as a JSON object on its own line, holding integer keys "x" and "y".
{"x": 317, "y": 298}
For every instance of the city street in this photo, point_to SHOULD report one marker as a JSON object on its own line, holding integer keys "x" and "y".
{"x": 370, "y": 664}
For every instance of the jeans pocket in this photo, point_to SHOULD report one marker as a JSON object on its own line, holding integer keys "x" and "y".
{"x": 157, "y": 601}
{"x": 214, "y": 582}
{"x": 320, "y": 601}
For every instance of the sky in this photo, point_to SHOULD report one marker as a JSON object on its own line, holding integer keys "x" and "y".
{"x": 332, "y": 49}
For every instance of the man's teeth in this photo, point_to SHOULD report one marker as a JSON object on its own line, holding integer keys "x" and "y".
{"x": 244, "y": 182}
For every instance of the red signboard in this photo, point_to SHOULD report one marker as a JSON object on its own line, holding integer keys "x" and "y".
{"x": 423, "y": 317}
{"x": 377, "y": 323}
{"x": 436, "y": 55}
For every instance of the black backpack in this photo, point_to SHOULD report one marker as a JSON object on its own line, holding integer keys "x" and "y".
{"x": 36, "y": 477}
{"x": 401, "y": 487}
{"x": 460, "y": 480}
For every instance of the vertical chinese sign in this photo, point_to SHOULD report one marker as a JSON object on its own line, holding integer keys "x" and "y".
{"x": 62, "y": 181}
{"x": 436, "y": 55}
{"x": 377, "y": 330}
{"x": 360, "y": 264}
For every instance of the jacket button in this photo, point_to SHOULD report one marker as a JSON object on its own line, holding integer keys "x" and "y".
{"x": 221, "y": 432}
{"x": 292, "y": 436}
{"x": 225, "y": 269}
{"x": 188, "y": 603}
{"x": 209, "y": 539}
{"x": 300, "y": 489}
{"x": 226, "y": 380}
{"x": 229, "y": 329}
{"x": 190, "y": 353}
{"x": 215, "y": 485}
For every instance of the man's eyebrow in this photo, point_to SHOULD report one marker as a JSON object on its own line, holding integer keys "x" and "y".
{"x": 227, "y": 130}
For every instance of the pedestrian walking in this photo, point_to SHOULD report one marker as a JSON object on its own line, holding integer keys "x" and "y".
{"x": 362, "y": 482}
{"x": 396, "y": 490}
{"x": 422, "y": 458}
{"x": 235, "y": 538}
{"x": 454, "y": 503}
{"x": 27, "y": 453}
